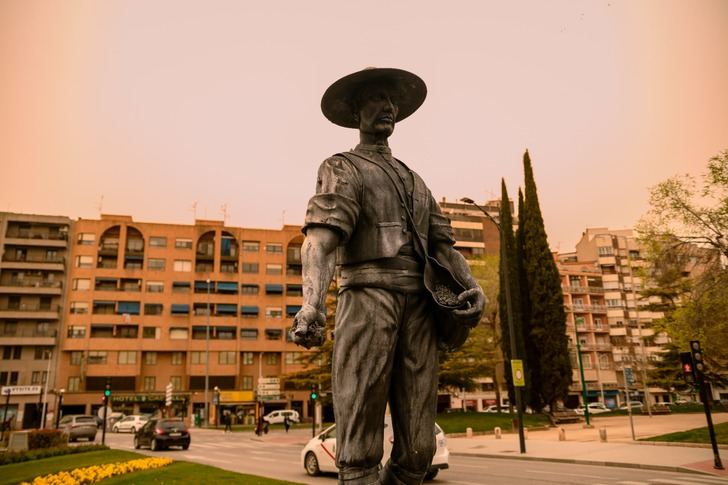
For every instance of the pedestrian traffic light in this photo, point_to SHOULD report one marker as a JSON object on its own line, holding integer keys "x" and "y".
{"x": 698, "y": 362}
{"x": 314, "y": 392}
{"x": 688, "y": 369}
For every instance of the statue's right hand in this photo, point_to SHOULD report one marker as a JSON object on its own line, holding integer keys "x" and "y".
{"x": 308, "y": 327}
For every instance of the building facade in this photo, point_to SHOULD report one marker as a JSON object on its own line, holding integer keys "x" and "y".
{"x": 33, "y": 270}
{"x": 150, "y": 305}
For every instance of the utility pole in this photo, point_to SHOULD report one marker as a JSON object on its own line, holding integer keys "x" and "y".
{"x": 207, "y": 357}
{"x": 45, "y": 389}
{"x": 583, "y": 381}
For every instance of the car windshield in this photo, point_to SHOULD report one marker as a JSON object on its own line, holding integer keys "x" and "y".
{"x": 85, "y": 419}
{"x": 172, "y": 423}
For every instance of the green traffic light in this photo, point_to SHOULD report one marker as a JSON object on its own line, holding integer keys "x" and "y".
{"x": 107, "y": 392}
{"x": 314, "y": 396}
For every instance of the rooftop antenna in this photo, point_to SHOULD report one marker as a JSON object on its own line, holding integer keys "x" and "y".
{"x": 194, "y": 209}
{"x": 101, "y": 204}
{"x": 283, "y": 217}
{"x": 225, "y": 213}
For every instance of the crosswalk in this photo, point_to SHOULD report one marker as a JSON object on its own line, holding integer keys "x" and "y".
{"x": 682, "y": 479}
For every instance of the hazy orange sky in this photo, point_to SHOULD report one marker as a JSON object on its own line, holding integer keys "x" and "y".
{"x": 158, "y": 104}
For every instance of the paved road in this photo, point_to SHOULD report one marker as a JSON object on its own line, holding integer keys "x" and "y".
{"x": 277, "y": 455}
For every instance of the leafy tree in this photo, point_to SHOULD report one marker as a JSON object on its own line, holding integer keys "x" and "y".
{"x": 509, "y": 265}
{"x": 548, "y": 353}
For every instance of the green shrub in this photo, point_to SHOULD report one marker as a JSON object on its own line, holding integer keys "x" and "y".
{"x": 21, "y": 456}
{"x": 46, "y": 438}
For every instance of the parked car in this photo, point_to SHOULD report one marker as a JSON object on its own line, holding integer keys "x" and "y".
{"x": 78, "y": 426}
{"x": 594, "y": 408}
{"x": 494, "y": 409}
{"x": 632, "y": 404}
{"x": 159, "y": 434}
{"x": 129, "y": 424}
{"x": 318, "y": 454}
{"x": 280, "y": 415}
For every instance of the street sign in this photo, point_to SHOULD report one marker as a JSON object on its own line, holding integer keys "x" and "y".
{"x": 519, "y": 379}
{"x": 269, "y": 380}
{"x": 269, "y": 392}
{"x": 20, "y": 390}
{"x": 628, "y": 376}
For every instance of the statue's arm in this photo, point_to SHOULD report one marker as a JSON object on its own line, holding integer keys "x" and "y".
{"x": 318, "y": 256}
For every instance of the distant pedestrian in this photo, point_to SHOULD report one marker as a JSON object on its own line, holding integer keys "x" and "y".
{"x": 286, "y": 423}
{"x": 227, "y": 419}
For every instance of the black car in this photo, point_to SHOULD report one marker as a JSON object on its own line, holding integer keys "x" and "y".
{"x": 159, "y": 434}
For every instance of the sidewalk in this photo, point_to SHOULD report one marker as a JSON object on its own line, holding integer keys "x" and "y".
{"x": 583, "y": 445}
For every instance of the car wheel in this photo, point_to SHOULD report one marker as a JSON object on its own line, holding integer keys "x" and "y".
{"x": 154, "y": 446}
{"x": 185, "y": 446}
{"x": 115, "y": 429}
{"x": 136, "y": 443}
{"x": 430, "y": 475}
{"x": 312, "y": 466}
{"x": 133, "y": 430}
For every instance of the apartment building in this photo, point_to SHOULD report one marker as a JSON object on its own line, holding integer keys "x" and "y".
{"x": 155, "y": 304}
{"x": 475, "y": 234}
{"x": 34, "y": 262}
{"x": 618, "y": 258}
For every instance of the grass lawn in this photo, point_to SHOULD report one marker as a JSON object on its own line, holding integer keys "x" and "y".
{"x": 457, "y": 422}
{"x": 181, "y": 472}
{"x": 697, "y": 435}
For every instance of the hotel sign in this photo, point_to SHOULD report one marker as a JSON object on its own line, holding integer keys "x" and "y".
{"x": 20, "y": 390}
{"x": 119, "y": 398}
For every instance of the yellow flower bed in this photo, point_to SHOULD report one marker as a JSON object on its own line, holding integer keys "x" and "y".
{"x": 96, "y": 473}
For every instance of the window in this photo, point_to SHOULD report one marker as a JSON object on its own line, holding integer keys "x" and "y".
{"x": 586, "y": 360}
{"x": 294, "y": 290}
{"x": 249, "y": 333}
{"x": 579, "y": 321}
{"x": 158, "y": 242}
{"x": 130, "y": 307}
{"x": 150, "y": 383}
{"x": 12, "y": 352}
{"x": 247, "y": 358}
{"x": 156, "y": 264}
{"x": 597, "y": 322}
{"x": 79, "y": 307}
{"x": 178, "y": 333}
{"x": 97, "y": 357}
{"x": 43, "y": 353}
{"x": 273, "y": 289}
{"x": 81, "y": 284}
{"x": 86, "y": 238}
{"x": 250, "y": 267}
{"x": 127, "y": 357}
{"x": 273, "y": 269}
{"x": 38, "y": 377}
{"x": 226, "y": 309}
{"x": 198, "y": 357}
{"x": 605, "y": 250}
{"x": 153, "y": 308}
{"x": 180, "y": 243}
{"x": 150, "y": 358}
{"x": 291, "y": 310}
{"x": 273, "y": 312}
{"x": 104, "y": 307}
{"x": 249, "y": 311}
{"x": 76, "y": 331}
{"x": 225, "y": 333}
{"x": 271, "y": 358}
{"x": 181, "y": 287}
{"x": 177, "y": 358}
{"x": 155, "y": 286}
{"x": 200, "y": 332}
{"x": 183, "y": 265}
{"x": 74, "y": 383}
{"x": 176, "y": 382}
{"x": 180, "y": 309}
{"x": 292, "y": 357}
{"x": 76, "y": 357}
{"x": 273, "y": 333}
{"x": 151, "y": 332}
{"x": 246, "y": 383}
{"x": 251, "y": 246}
{"x": 615, "y": 303}
{"x": 247, "y": 289}
{"x": 226, "y": 357}
{"x": 84, "y": 261}
{"x": 274, "y": 248}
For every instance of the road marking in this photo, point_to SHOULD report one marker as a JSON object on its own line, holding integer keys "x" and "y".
{"x": 683, "y": 481}
{"x": 567, "y": 474}
{"x": 633, "y": 483}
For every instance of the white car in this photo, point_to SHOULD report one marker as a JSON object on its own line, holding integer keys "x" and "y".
{"x": 280, "y": 415}
{"x": 594, "y": 408}
{"x": 130, "y": 424}
{"x": 632, "y": 404}
{"x": 319, "y": 453}
{"x": 494, "y": 409}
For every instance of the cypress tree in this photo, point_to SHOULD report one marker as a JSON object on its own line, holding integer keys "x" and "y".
{"x": 508, "y": 264}
{"x": 547, "y": 346}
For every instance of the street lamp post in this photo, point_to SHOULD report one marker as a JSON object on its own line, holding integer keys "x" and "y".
{"x": 511, "y": 327}
{"x": 45, "y": 389}
{"x": 59, "y": 403}
{"x": 581, "y": 373}
{"x": 207, "y": 356}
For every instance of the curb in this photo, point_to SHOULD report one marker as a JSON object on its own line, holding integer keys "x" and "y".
{"x": 666, "y": 468}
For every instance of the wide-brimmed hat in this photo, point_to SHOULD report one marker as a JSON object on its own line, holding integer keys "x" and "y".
{"x": 337, "y": 103}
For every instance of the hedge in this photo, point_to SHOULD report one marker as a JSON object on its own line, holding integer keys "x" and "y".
{"x": 21, "y": 456}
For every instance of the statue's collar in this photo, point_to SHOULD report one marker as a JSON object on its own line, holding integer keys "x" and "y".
{"x": 374, "y": 149}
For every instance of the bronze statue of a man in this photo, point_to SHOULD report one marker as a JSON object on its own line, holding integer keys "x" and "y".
{"x": 385, "y": 345}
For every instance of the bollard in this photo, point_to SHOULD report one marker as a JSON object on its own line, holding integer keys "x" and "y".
{"x": 469, "y": 432}
{"x": 603, "y": 434}
{"x": 562, "y": 434}
{"x": 497, "y": 432}
{"x": 525, "y": 433}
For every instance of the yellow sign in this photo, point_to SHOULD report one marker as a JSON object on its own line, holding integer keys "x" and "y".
{"x": 236, "y": 396}
{"x": 519, "y": 379}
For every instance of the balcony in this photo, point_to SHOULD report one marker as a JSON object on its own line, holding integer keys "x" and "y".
{"x": 617, "y": 331}
{"x": 42, "y": 312}
{"x": 28, "y": 336}
{"x": 108, "y": 249}
{"x": 34, "y": 262}
{"x": 30, "y": 287}
{"x": 21, "y": 238}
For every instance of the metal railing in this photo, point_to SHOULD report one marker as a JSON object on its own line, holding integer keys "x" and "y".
{"x": 28, "y": 332}
{"x": 32, "y": 284}
{"x": 24, "y": 307}
{"x": 36, "y": 235}
{"x": 12, "y": 258}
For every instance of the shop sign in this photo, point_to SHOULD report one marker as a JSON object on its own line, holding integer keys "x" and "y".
{"x": 20, "y": 390}
{"x": 145, "y": 398}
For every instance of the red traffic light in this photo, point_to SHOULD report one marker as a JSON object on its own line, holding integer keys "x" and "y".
{"x": 687, "y": 368}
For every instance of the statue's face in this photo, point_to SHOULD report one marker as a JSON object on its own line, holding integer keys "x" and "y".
{"x": 377, "y": 110}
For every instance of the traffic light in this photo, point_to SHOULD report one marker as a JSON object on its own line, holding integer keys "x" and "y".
{"x": 698, "y": 363}
{"x": 688, "y": 369}
{"x": 314, "y": 392}
{"x": 107, "y": 393}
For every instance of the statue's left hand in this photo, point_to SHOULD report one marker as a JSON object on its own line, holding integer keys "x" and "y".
{"x": 475, "y": 299}
{"x": 308, "y": 327}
